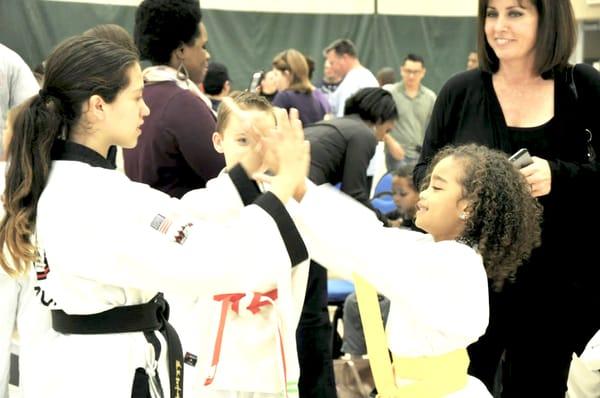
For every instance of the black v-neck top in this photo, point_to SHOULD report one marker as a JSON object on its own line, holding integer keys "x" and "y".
{"x": 537, "y": 140}
{"x": 467, "y": 111}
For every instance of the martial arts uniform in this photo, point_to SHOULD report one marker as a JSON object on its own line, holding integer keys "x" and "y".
{"x": 112, "y": 245}
{"x": 251, "y": 358}
{"x": 19, "y": 311}
{"x": 438, "y": 290}
{"x": 10, "y": 295}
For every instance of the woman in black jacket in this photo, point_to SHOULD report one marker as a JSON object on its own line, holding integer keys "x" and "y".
{"x": 526, "y": 95}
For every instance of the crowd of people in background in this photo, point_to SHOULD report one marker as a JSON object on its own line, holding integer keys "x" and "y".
{"x": 161, "y": 223}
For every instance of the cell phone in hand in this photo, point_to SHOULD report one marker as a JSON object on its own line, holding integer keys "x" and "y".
{"x": 521, "y": 158}
{"x": 255, "y": 81}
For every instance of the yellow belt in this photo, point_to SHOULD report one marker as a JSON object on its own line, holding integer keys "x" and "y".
{"x": 431, "y": 377}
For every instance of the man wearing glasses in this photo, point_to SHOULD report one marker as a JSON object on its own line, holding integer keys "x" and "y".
{"x": 414, "y": 103}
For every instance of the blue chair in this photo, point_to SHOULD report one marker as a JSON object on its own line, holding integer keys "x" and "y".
{"x": 383, "y": 199}
{"x": 337, "y": 291}
{"x": 384, "y": 185}
{"x": 384, "y": 204}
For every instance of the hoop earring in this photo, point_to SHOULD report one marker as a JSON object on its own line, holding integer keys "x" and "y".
{"x": 63, "y": 132}
{"x": 182, "y": 72}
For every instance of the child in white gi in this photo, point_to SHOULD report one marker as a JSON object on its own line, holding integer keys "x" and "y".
{"x": 108, "y": 245}
{"x": 254, "y": 355}
{"x": 481, "y": 221}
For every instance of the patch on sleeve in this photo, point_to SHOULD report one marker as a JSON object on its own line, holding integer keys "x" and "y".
{"x": 183, "y": 233}
{"x": 41, "y": 267}
{"x": 161, "y": 223}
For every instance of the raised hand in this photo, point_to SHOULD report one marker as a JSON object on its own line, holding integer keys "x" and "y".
{"x": 288, "y": 154}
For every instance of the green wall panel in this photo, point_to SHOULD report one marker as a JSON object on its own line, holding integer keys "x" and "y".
{"x": 247, "y": 41}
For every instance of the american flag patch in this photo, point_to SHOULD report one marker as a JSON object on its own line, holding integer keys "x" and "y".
{"x": 161, "y": 223}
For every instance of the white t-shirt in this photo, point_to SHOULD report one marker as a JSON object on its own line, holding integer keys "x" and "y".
{"x": 17, "y": 83}
{"x": 354, "y": 80}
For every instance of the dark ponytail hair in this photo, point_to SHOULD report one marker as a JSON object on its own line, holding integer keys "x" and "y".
{"x": 77, "y": 69}
{"x": 372, "y": 104}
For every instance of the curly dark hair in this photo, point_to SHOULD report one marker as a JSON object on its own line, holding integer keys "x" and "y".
{"x": 163, "y": 25}
{"x": 504, "y": 219}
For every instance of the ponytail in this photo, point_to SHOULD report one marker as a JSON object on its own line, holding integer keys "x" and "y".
{"x": 77, "y": 69}
{"x": 36, "y": 125}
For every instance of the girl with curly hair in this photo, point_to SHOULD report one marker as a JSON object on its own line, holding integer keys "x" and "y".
{"x": 481, "y": 223}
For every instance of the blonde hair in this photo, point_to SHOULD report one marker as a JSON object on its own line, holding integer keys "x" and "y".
{"x": 245, "y": 100}
{"x": 294, "y": 62}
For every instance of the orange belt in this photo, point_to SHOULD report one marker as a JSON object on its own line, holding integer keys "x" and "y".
{"x": 232, "y": 300}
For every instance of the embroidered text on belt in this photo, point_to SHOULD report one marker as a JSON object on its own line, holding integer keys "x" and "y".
{"x": 146, "y": 318}
{"x": 232, "y": 300}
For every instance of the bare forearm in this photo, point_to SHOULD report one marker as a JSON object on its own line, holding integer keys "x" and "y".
{"x": 394, "y": 147}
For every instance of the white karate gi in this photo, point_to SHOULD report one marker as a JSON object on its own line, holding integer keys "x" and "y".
{"x": 250, "y": 362}
{"x": 438, "y": 290}
{"x": 21, "y": 311}
{"x": 9, "y": 295}
{"x": 110, "y": 242}
{"x": 14, "y": 295}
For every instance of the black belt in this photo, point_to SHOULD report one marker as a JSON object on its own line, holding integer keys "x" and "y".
{"x": 147, "y": 318}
